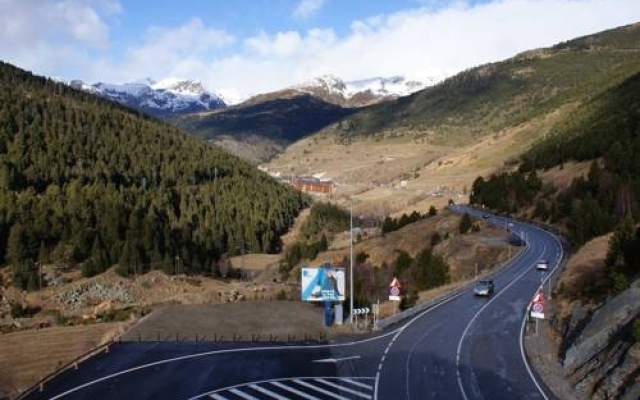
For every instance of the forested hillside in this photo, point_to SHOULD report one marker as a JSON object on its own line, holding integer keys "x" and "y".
{"x": 83, "y": 180}
{"x": 605, "y": 131}
{"x": 282, "y": 120}
{"x": 488, "y": 98}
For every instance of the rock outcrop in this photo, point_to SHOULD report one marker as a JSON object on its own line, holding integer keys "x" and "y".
{"x": 602, "y": 356}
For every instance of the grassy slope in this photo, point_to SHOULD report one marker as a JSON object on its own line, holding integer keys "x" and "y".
{"x": 473, "y": 124}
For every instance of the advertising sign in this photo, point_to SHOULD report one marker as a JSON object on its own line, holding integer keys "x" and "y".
{"x": 323, "y": 284}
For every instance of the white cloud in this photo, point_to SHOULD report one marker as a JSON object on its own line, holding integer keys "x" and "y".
{"x": 51, "y": 36}
{"x": 48, "y": 35}
{"x": 307, "y": 8}
{"x": 418, "y": 42}
{"x": 181, "y": 51}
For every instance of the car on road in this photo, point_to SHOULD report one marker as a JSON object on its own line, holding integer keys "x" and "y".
{"x": 542, "y": 265}
{"x": 483, "y": 288}
{"x": 486, "y": 216}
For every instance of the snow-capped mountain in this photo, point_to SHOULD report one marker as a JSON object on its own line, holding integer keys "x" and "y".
{"x": 166, "y": 98}
{"x": 364, "y": 91}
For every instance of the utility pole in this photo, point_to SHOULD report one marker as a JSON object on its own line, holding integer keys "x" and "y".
{"x": 351, "y": 260}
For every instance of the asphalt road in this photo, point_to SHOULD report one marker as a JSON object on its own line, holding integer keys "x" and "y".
{"x": 462, "y": 348}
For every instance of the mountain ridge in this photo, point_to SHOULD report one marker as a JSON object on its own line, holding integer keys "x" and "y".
{"x": 166, "y": 98}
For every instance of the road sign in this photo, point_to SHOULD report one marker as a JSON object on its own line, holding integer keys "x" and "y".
{"x": 395, "y": 283}
{"x": 394, "y": 290}
{"x": 358, "y": 311}
{"x": 537, "y": 306}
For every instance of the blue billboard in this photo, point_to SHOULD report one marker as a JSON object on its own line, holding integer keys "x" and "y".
{"x": 323, "y": 284}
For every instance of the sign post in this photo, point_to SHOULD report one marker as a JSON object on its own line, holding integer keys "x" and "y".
{"x": 537, "y": 308}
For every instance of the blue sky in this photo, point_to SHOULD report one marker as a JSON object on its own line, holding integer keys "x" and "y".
{"x": 243, "y": 47}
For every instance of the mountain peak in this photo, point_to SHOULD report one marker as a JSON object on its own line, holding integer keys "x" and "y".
{"x": 164, "y": 98}
{"x": 364, "y": 91}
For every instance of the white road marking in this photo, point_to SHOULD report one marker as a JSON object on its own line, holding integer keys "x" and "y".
{"x": 242, "y": 394}
{"x": 466, "y": 329}
{"x": 317, "y": 389}
{"x": 336, "y": 360}
{"x": 311, "y": 387}
{"x": 342, "y": 388}
{"x": 294, "y": 391}
{"x": 356, "y": 383}
{"x": 268, "y": 392}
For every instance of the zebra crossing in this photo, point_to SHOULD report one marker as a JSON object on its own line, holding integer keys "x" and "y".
{"x": 309, "y": 388}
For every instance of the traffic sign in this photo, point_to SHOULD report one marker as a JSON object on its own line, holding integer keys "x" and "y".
{"x": 358, "y": 311}
{"x": 537, "y": 306}
{"x": 394, "y": 290}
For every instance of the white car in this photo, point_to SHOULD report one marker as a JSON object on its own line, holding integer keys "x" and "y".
{"x": 542, "y": 265}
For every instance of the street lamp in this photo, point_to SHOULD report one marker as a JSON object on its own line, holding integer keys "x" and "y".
{"x": 351, "y": 260}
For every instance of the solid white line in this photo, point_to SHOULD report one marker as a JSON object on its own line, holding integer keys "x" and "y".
{"x": 344, "y": 389}
{"x": 466, "y": 329}
{"x": 216, "y": 352}
{"x": 294, "y": 391}
{"x": 321, "y": 390}
{"x": 524, "y": 320}
{"x": 402, "y": 328}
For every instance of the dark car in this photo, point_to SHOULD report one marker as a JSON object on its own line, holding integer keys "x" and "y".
{"x": 483, "y": 288}
{"x": 486, "y": 216}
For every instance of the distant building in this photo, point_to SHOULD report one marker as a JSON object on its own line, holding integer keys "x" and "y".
{"x": 313, "y": 185}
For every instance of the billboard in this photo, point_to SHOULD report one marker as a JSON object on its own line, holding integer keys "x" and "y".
{"x": 322, "y": 284}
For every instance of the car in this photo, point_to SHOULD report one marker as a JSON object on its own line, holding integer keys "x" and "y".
{"x": 542, "y": 265}
{"x": 483, "y": 288}
{"x": 486, "y": 216}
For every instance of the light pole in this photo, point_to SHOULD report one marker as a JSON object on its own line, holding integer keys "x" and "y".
{"x": 351, "y": 261}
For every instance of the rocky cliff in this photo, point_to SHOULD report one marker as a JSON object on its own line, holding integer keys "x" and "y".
{"x": 600, "y": 347}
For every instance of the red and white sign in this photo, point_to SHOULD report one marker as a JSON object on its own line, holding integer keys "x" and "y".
{"x": 537, "y": 306}
{"x": 394, "y": 290}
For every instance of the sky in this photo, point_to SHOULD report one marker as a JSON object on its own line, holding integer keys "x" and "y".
{"x": 244, "y": 47}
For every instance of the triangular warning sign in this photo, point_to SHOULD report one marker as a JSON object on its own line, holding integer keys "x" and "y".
{"x": 539, "y": 298}
{"x": 395, "y": 283}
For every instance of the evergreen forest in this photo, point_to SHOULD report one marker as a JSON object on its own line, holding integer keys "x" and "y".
{"x": 86, "y": 182}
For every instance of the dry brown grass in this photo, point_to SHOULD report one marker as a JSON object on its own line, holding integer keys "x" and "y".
{"x": 29, "y": 356}
{"x": 586, "y": 265}
{"x": 412, "y": 157}
{"x": 258, "y": 321}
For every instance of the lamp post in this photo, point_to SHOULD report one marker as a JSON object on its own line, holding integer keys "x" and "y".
{"x": 351, "y": 261}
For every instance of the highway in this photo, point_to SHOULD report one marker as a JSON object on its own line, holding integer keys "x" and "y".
{"x": 464, "y": 347}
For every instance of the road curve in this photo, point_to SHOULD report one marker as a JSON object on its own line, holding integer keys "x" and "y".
{"x": 470, "y": 348}
{"x": 462, "y": 348}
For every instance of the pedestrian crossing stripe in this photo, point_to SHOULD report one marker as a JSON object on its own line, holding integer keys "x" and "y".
{"x": 308, "y": 388}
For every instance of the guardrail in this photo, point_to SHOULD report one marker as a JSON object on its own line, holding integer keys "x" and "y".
{"x": 39, "y": 386}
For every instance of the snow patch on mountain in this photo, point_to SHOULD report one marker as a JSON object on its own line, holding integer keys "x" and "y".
{"x": 165, "y": 98}
{"x": 382, "y": 87}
